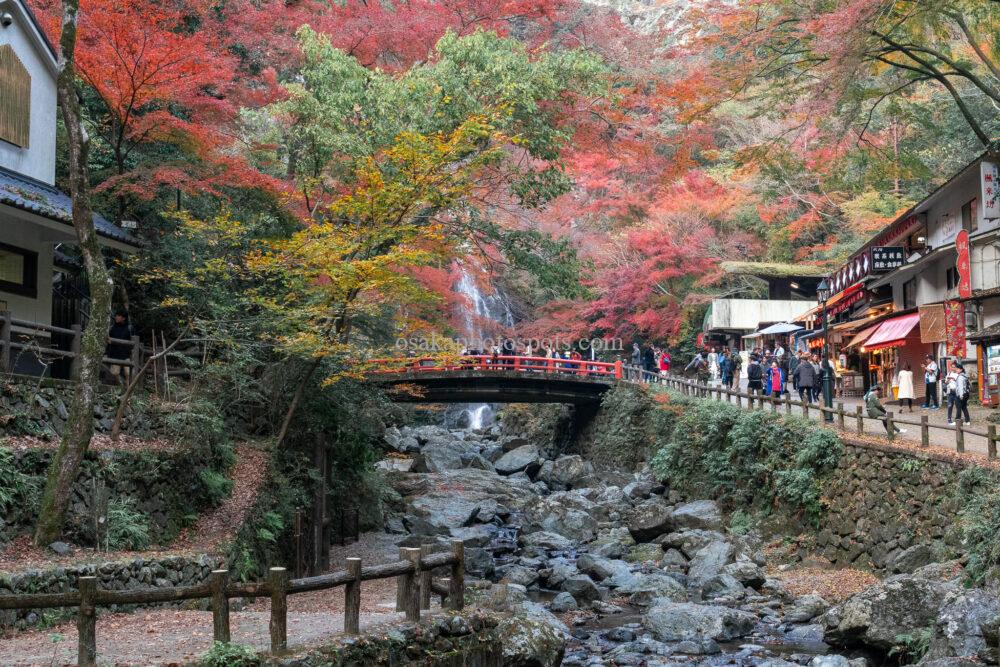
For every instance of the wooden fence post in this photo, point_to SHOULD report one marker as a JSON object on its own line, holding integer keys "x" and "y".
{"x": 861, "y": 419}
{"x": 74, "y": 347}
{"x": 788, "y": 404}
{"x": 959, "y": 436}
{"x": 425, "y": 578}
{"x": 456, "y": 584}
{"x": 412, "y": 585}
{"x": 401, "y": 585}
{"x": 136, "y": 357}
{"x": 5, "y": 356}
{"x": 277, "y": 583}
{"x": 890, "y": 428}
{"x": 774, "y": 403}
{"x": 925, "y": 432}
{"x": 220, "y": 606}
{"x": 86, "y": 622}
{"x": 841, "y": 417}
{"x": 352, "y": 598}
{"x": 991, "y": 441}
{"x": 805, "y": 408}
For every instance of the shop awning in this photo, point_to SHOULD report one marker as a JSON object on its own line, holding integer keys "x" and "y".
{"x": 893, "y": 332}
{"x": 863, "y": 335}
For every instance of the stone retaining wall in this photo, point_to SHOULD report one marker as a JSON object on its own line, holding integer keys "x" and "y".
{"x": 140, "y": 573}
{"x": 29, "y": 406}
{"x": 885, "y": 503}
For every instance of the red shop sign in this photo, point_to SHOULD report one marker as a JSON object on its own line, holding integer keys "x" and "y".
{"x": 964, "y": 273}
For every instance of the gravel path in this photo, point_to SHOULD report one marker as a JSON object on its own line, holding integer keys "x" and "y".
{"x": 171, "y": 636}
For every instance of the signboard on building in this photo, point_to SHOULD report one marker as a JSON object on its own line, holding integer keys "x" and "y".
{"x": 932, "y": 323}
{"x": 963, "y": 265}
{"x": 993, "y": 360}
{"x": 989, "y": 177}
{"x": 887, "y": 258}
{"x": 954, "y": 325}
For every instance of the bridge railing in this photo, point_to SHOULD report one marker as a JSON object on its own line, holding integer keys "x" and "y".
{"x": 510, "y": 363}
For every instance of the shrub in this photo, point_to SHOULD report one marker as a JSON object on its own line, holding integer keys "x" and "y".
{"x": 229, "y": 655}
{"x": 620, "y": 435}
{"x": 979, "y": 521}
{"x": 128, "y": 528}
{"x": 748, "y": 458}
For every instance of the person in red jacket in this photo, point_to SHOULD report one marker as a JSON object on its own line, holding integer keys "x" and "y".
{"x": 664, "y": 362}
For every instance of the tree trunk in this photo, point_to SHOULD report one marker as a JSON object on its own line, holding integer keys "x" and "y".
{"x": 80, "y": 425}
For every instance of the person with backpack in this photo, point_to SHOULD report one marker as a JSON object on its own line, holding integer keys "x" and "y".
{"x": 931, "y": 374}
{"x": 959, "y": 388}
{"x": 755, "y": 376}
{"x": 805, "y": 379}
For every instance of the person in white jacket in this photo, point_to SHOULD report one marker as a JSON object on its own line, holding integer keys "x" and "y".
{"x": 905, "y": 383}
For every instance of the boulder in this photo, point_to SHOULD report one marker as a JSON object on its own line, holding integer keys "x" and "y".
{"x": 560, "y": 570}
{"x": 647, "y": 589}
{"x": 546, "y": 540}
{"x": 878, "y": 615}
{"x": 601, "y": 568}
{"x": 475, "y": 536}
{"x": 708, "y": 561}
{"x": 703, "y": 514}
{"x": 582, "y": 588}
{"x": 439, "y": 456}
{"x": 746, "y": 572}
{"x": 962, "y": 622}
{"x": 908, "y": 560}
{"x": 455, "y": 498}
{"x": 649, "y": 519}
{"x": 681, "y": 621}
{"x": 524, "y": 459}
{"x": 829, "y": 661}
{"x": 479, "y": 563}
{"x": 567, "y": 513}
{"x": 722, "y": 585}
{"x": 690, "y": 541}
{"x": 531, "y": 642}
{"x": 806, "y": 608}
{"x": 567, "y": 472}
{"x": 645, "y": 552}
{"x": 562, "y": 603}
{"x": 518, "y": 574}
{"x": 673, "y": 561}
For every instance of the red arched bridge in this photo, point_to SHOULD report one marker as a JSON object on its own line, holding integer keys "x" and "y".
{"x": 495, "y": 379}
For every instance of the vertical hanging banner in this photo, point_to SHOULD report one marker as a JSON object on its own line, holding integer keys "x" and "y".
{"x": 989, "y": 175}
{"x": 963, "y": 265}
{"x": 954, "y": 325}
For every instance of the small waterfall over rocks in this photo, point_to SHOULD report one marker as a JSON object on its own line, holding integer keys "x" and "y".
{"x": 483, "y": 318}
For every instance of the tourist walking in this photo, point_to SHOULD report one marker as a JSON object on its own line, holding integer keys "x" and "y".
{"x": 818, "y": 381}
{"x": 775, "y": 380}
{"x": 931, "y": 375}
{"x": 905, "y": 383}
{"x": 793, "y": 363}
{"x": 876, "y": 410}
{"x": 713, "y": 364}
{"x": 957, "y": 386}
{"x": 664, "y": 362}
{"x": 737, "y": 361}
{"x": 755, "y": 376}
{"x": 805, "y": 380}
{"x": 726, "y": 367}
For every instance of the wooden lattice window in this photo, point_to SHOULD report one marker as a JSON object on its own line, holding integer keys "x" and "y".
{"x": 15, "y": 102}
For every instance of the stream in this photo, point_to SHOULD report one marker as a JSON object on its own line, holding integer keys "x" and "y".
{"x": 616, "y": 567}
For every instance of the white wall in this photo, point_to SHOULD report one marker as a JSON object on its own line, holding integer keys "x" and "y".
{"x": 746, "y": 314}
{"x": 39, "y": 159}
{"x": 32, "y": 237}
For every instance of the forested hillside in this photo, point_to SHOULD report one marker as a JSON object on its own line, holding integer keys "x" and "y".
{"x": 596, "y": 160}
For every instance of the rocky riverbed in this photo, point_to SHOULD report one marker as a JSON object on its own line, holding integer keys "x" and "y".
{"x": 605, "y": 568}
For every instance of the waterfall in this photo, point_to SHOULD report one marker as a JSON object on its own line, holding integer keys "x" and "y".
{"x": 483, "y": 318}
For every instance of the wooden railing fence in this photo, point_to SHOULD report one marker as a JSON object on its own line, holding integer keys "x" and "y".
{"x": 841, "y": 416}
{"x": 415, "y": 586}
{"x": 9, "y": 346}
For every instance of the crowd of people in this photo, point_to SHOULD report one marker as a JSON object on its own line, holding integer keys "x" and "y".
{"x": 770, "y": 372}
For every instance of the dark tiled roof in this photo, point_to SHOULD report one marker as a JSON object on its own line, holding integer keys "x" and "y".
{"x": 34, "y": 196}
{"x": 987, "y": 333}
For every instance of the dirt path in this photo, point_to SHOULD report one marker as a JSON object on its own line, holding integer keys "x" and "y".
{"x": 170, "y": 636}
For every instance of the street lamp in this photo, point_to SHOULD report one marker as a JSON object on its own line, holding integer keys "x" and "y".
{"x": 823, "y": 292}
